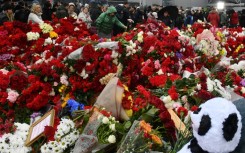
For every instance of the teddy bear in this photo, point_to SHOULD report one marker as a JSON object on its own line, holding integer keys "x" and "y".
{"x": 217, "y": 127}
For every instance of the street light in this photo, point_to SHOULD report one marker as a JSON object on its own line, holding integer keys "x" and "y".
{"x": 220, "y": 5}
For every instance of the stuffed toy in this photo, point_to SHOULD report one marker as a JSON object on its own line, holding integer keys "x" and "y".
{"x": 217, "y": 126}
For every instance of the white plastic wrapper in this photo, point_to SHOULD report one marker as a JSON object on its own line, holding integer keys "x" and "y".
{"x": 239, "y": 66}
{"x": 110, "y": 45}
{"x": 77, "y": 54}
{"x": 111, "y": 99}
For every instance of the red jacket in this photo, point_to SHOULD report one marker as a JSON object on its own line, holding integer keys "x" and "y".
{"x": 214, "y": 18}
{"x": 234, "y": 19}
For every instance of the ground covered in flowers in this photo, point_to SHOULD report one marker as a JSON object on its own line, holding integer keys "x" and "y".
{"x": 51, "y": 63}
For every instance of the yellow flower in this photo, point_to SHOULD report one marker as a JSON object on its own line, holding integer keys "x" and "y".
{"x": 130, "y": 98}
{"x": 156, "y": 139}
{"x": 62, "y": 88}
{"x": 238, "y": 48}
{"x": 66, "y": 98}
{"x": 125, "y": 87}
{"x": 53, "y": 34}
{"x": 129, "y": 112}
{"x": 223, "y": 52}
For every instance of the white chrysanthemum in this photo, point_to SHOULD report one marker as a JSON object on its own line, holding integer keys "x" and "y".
{"x": 32, "y": 36}
{"x": 112, "y": 139}
{"x": 46, "y": 28}
{"x": 15, "y": 142}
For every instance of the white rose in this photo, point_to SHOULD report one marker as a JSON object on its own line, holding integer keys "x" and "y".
{"x": 112, "y": 139}
{"x": 105, "y": 120}
{"x": 113, "y": 127}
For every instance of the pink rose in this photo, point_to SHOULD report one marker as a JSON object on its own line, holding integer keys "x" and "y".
{"x": 12, "y": 96}
{"x": 207, "y": 35}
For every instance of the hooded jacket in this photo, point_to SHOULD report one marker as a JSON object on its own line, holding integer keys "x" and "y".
{"x": 105, "y": 22}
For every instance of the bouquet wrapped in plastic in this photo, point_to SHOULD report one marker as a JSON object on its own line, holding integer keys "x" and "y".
{"x": 110, "y": 99}
{"x": 141, "y": 138}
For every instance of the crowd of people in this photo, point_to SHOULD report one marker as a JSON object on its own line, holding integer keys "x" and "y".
{"x": 108, "y": 20}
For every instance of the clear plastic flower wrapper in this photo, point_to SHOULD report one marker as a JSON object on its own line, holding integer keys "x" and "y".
{"x": 141, "y": 138}
{"x": 111, "y": 100}
{"x": 88, "y": 140}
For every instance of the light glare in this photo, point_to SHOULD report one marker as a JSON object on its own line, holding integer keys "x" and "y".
{"x": 220, "y": 5}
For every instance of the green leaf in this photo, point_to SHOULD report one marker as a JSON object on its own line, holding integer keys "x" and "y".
{"x": 120, "y": 128}
{"x": 127, "y": 125}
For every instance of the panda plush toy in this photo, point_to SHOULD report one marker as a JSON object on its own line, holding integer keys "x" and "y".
{"x": 216, "y": 128}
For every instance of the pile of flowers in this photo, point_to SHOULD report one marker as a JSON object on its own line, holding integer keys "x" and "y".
{"x": 43, "y": 66}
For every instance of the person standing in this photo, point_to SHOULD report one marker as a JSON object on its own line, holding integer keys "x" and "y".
{"x": 85, "y": 17}
{"x": 213, "y": 17}
{"x": 166, "y": 19}
{"x": 62, "y": 11}
{"x": 106, "y": 21}
{"x": 36, "y": 14}
{"x": 22, "y": 13}
{"x": 234, "y": 20}
{"x": 7, "y": 14}
{"x": 71, "y": 10}
{"x": 47, "y": 11}
{"x": 223, "y": 19}
{"x": 242, "y": 23}
{"x": 189, "y": 18}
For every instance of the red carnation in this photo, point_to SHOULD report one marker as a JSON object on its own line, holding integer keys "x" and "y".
{"x": 158, "y": 81}
{"x": 173, "y": 93}
{"x": 49, "y": 132}
{"x": 194, "y": 108}
{"x": 182, "y": 111}
{"x": 143, "y": 91}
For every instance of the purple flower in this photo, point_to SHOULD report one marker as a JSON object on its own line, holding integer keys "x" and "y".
{"x": 243, "y": 82}
{"x": 5, "y": 57}
{"x": 179, "y": 55}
